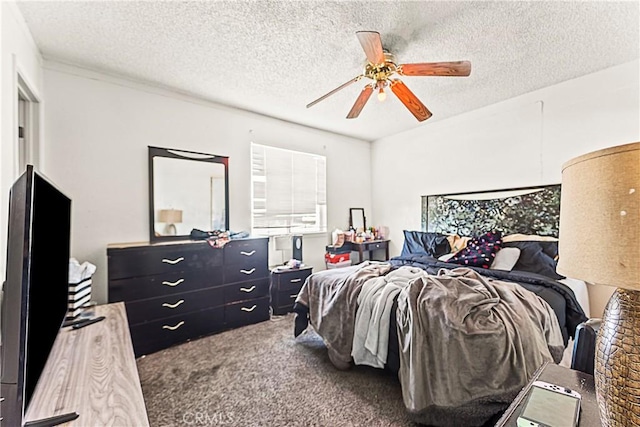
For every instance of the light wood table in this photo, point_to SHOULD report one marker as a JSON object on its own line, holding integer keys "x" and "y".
{"x": 92, "y": 371}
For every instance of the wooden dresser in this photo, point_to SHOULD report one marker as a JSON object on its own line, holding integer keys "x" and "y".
{"x": 182, "y": 290}
{"x": 285, "y": 285}
{"x": 371, "y": 246}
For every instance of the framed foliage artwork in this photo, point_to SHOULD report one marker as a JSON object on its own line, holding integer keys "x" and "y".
{"x": 527, "y": 210}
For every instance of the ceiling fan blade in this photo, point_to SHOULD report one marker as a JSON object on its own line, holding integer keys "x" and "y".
{"x": 453, "y": 69}
{"x": 372, "y": 45}
{"x": 410, "y": 101}
{"x": 325, "y": 96}
{"x": 359, "y": 104}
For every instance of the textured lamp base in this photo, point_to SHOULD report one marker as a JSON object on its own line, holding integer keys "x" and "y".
{"x": 617, "y": 373}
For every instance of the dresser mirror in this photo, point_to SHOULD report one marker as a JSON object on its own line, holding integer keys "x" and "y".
{"x": 187, "y": 190}
{"x": 357, "y": 220}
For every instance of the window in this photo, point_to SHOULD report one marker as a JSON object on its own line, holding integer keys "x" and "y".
{"x": 288, "y": 191}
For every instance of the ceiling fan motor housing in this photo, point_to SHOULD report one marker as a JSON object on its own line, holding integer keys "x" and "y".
{"x": 381, "y": 72}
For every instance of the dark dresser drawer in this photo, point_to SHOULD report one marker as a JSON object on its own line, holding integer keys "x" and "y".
{"x": 155, "y": 259}
{"x": 174, "y": 305}
{"x": 144, "y": 287}
{"x": 247, "y": 312}
{"x": 375, "y": 245}
{"x": 241, "y": 273}
{"x": 290, "y": 279}
{"x": 282, "y": 301}
{"x": 152, "y": 336}
{"x": 246, "y": 290}
{"x": 247, "y": 252}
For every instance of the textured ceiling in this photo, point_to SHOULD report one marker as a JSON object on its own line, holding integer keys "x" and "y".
{"x": 275, "y": 57}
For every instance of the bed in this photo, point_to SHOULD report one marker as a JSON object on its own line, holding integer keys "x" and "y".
{"x": 464, "y": 321}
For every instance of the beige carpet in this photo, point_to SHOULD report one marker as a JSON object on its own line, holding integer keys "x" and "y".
{"x": 260, "y": 375}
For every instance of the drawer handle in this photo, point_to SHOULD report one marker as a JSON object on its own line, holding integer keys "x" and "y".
{"x": 296, "y": 280}
{"x": 248, "y": 253}
{"x": 173, "y": 328}
{"x": 172, "y": 261}
{"x": 172, "y": 306}
{"x": 248, "y": 309}
{"x": 247, "y": 290}
{"x": 248, "y": 271}
{"x": 172, "y": 284}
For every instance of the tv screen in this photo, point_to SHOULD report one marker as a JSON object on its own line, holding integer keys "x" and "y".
{"x": 35, "y": 294}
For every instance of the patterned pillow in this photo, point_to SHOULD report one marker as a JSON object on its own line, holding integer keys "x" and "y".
{"x": 480, "y": 251}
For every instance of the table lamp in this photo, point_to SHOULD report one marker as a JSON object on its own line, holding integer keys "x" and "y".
{"x": 600, "y": 244}
{"x": 170, "y": 217}
{"x": 283, "y": 243}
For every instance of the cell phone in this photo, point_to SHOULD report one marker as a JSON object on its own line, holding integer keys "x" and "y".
{"x": 550, "y": 405}
{"x": 87, "y": 322}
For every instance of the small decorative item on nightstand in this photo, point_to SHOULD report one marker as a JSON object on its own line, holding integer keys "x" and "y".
{"x": 285, "y": 285}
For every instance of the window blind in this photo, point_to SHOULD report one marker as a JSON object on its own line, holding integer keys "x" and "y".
{"x": 288, "y": 191}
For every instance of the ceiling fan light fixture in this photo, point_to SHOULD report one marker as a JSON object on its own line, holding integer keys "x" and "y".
{"x": 381, "y": 67}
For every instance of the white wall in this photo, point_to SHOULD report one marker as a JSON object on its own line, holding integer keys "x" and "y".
{"x": 519, "y": 142}
{"x": 98, "y": 128}
{"x": 18, "y": 54}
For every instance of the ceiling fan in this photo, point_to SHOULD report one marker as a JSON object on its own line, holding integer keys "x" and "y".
{"x": 381, "y": 67}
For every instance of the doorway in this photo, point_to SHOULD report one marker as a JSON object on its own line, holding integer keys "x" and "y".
{"x": 28, "y": 148}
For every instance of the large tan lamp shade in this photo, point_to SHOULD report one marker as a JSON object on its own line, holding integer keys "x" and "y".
{"x": 599, "y": 243}
{"x": 170, "y": 217}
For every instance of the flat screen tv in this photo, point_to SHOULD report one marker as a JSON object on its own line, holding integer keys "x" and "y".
{"x": 35, "y": 297}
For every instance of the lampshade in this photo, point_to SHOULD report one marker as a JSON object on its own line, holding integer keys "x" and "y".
{"x": 170, "y": 216}
{"x": 283, "y": 243}
{"x": 600, "y": 217}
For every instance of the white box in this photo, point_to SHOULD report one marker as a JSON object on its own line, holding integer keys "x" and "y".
{"x": 339, "y": 264}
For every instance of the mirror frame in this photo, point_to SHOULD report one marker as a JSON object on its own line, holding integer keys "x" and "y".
{"x": 351, "y": 216}
{"x": 183, "y": 155}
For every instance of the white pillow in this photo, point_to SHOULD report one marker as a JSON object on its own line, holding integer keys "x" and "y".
{"x": 505, "y": 259}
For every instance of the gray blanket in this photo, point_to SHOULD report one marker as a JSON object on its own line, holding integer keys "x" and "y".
{"x": 468, "y": 344}
{"x": 331, "y": 296}
{"x": 373, "y": 316}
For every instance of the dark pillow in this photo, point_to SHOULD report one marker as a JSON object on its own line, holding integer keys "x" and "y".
{"x": 480, "y": 251}
{"x": 537, "y": 257}
{"x": 424, "y": 243}
{"x": 550, "y": 248}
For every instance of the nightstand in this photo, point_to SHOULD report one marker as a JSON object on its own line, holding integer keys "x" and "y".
{"x": 370, "y": 246}
{"x": 285, "y": 285}
{"x": 565, "y": 377}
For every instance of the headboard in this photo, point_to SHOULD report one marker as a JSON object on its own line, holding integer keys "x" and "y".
{"x": 526, "y": 210}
